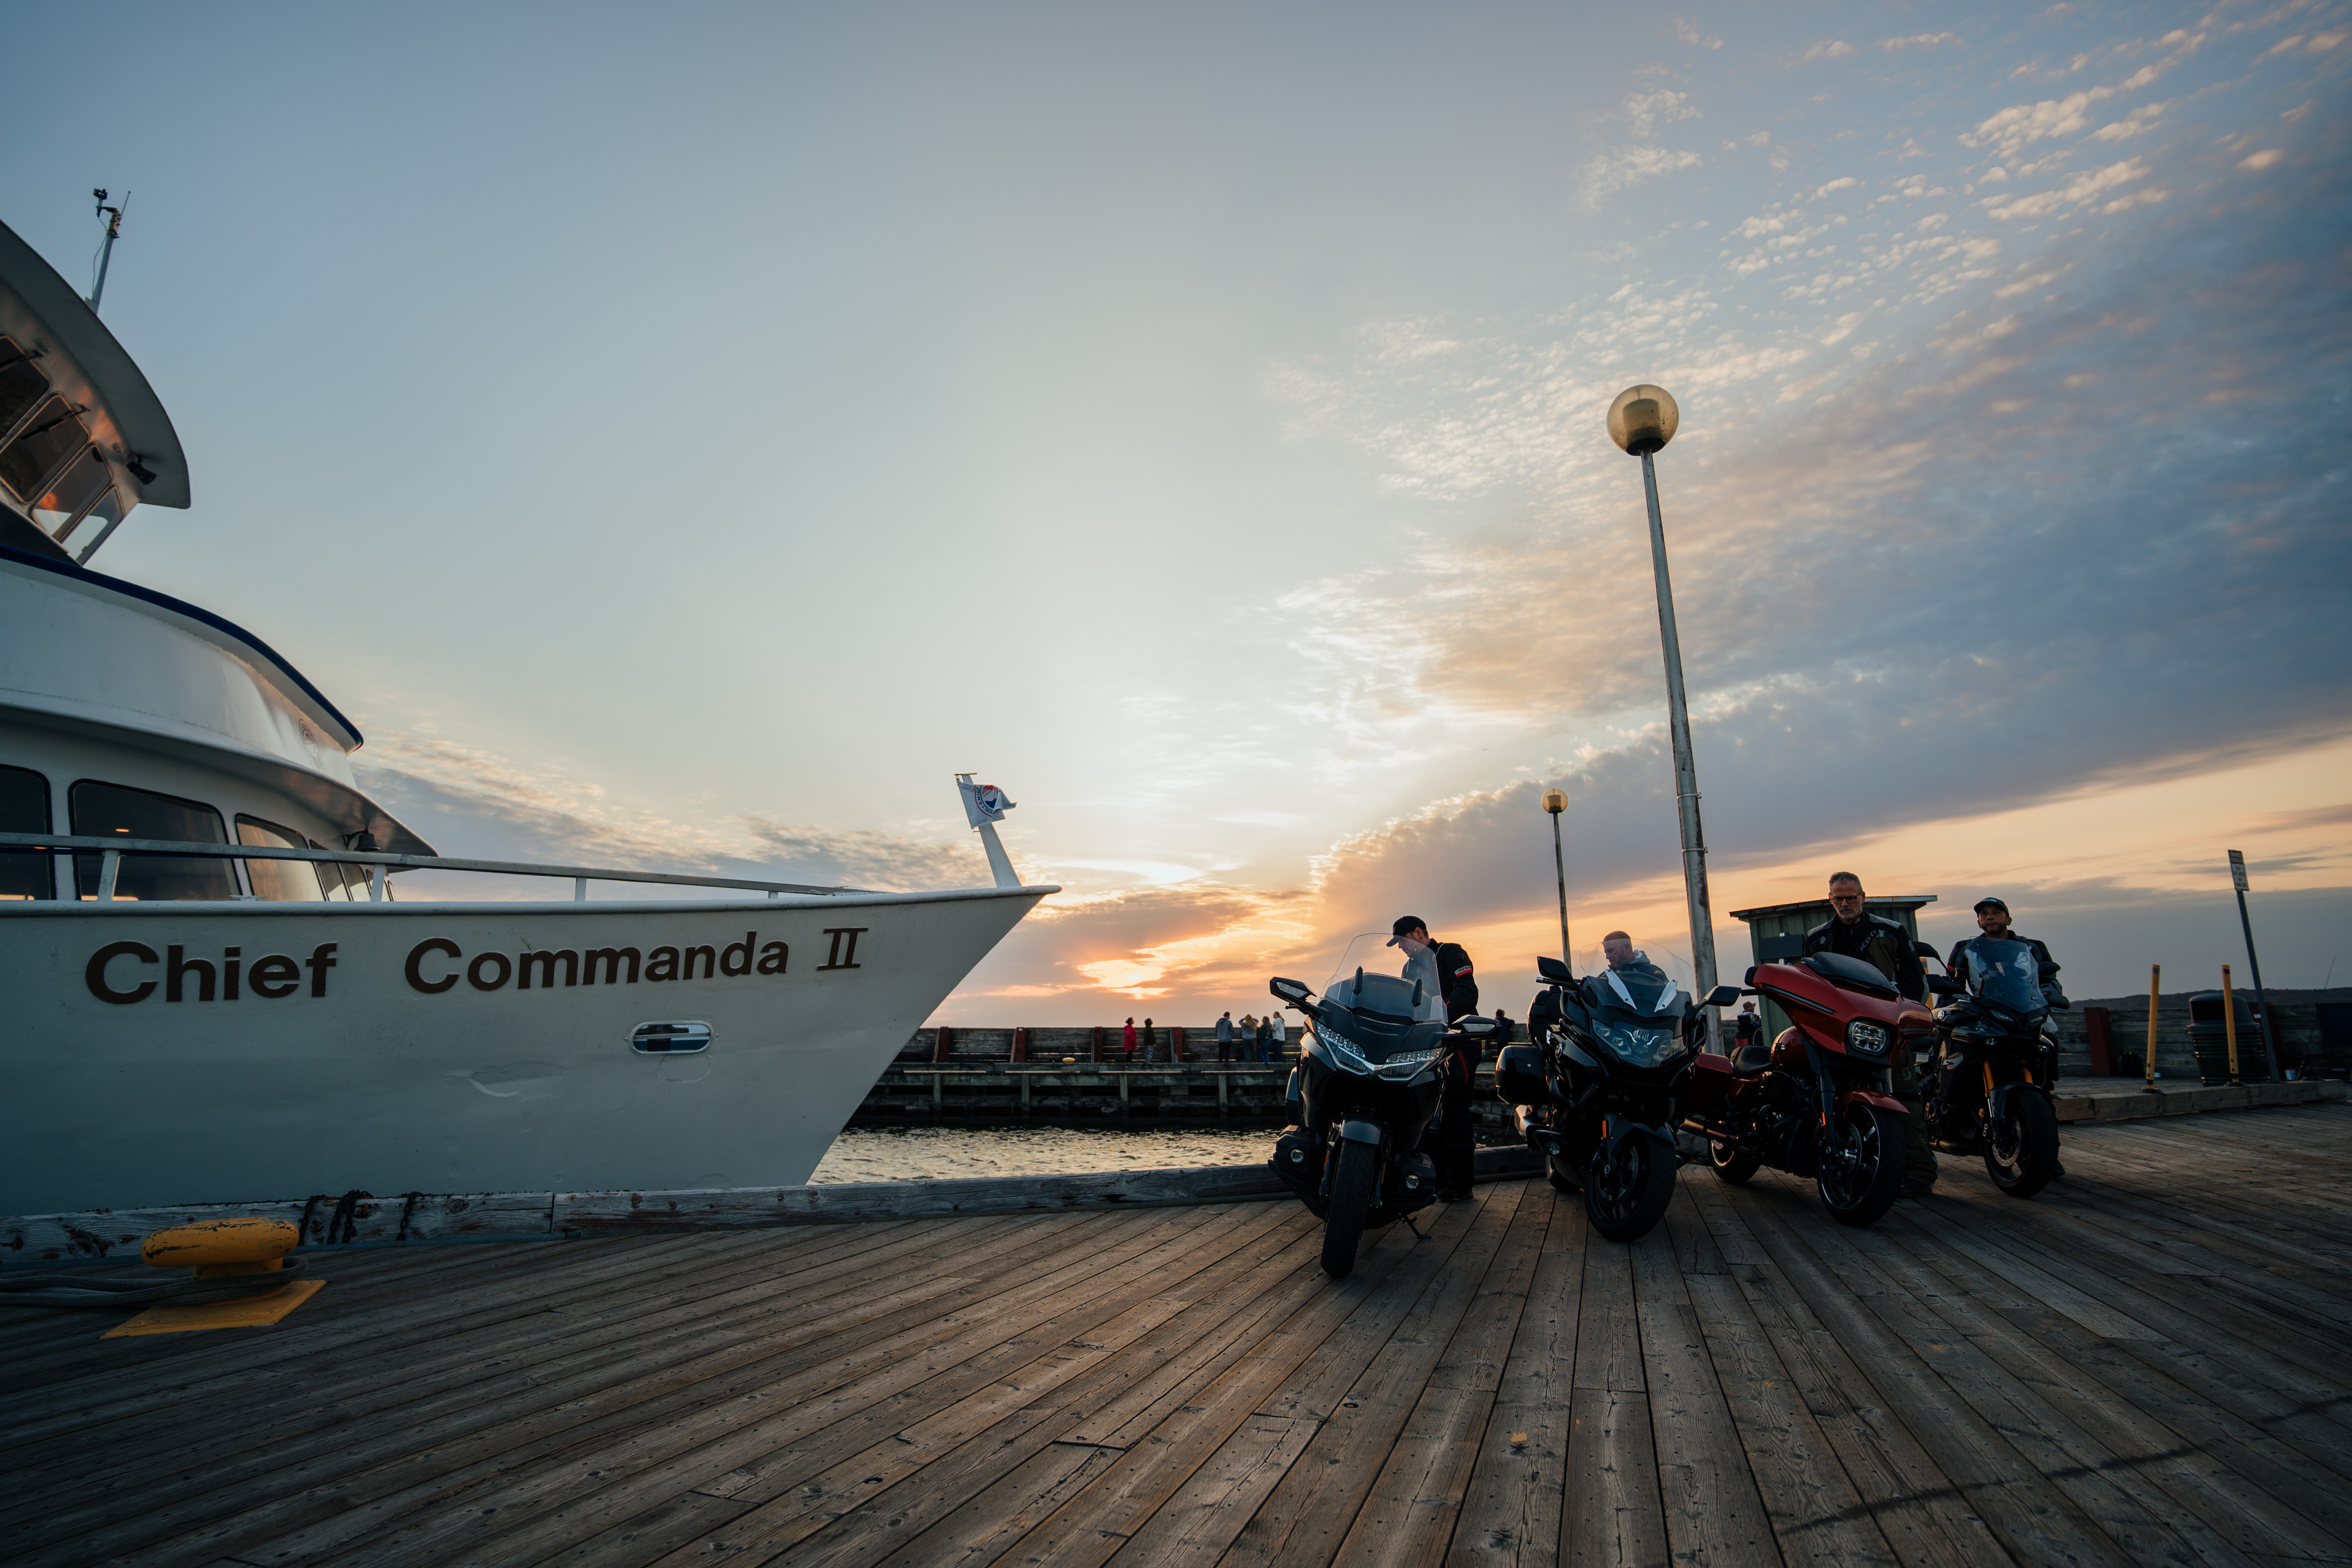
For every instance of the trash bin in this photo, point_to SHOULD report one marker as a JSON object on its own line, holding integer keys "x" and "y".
{"x": 2208, "y": 1036}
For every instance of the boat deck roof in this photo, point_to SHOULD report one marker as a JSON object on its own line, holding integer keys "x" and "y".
{"x": 2148, "y": 1363}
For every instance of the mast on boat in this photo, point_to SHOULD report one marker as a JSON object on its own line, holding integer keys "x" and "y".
{"x": 114, "y": 216}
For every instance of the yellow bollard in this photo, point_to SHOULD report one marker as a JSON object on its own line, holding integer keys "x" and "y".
{"x": 2155, "y": 973}
{"x": 2230, "y": 1022}
{"x": 214, "y": 1248}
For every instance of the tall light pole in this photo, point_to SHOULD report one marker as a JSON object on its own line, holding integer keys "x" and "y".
{"x": 1642, "y": 421}
{"x": 1554, "y": 801}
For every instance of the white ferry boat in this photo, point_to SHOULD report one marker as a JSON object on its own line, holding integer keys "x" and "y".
{"x": 208, "y": 991}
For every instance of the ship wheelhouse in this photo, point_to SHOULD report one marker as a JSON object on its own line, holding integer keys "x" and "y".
{"x": 125, "y": 712}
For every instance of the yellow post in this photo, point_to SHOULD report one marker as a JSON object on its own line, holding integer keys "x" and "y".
{"x": 2230, "y": 1022}
{"x": 2155, "y": 973}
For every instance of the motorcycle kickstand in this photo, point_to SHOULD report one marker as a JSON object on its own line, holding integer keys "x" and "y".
{"x": 1416, "y": 1230}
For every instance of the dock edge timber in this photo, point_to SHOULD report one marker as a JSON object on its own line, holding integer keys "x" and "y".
{"x": 362, "y": 1219}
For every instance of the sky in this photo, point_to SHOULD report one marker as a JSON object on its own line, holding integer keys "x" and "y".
{"x": 686, "y": 437}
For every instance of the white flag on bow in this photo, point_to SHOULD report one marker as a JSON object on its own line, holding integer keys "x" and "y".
{"x": 984, "y": 802}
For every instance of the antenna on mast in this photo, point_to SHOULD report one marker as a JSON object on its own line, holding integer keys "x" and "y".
{"x": 114, "y": 216}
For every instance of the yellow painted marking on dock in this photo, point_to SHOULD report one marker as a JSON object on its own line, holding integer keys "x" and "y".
{"x": 250, "y": 1312}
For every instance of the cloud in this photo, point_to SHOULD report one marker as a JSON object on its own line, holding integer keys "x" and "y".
{"x": 1644, "y": 112}
{"x": 2082, "y": 188}
{"x": 1689, "y": 33}
{"x": 1918, "y": 41}
{"x": 1827, "y": 49}
{"x": 2268, "y": 157}
{"x": 1622, "y": 167}
{"x": 472, "y": 804}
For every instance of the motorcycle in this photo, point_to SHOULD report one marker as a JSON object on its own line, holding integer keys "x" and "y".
{"x": 1817, "y": 1100}
{"x": 1995, "y": 1063}
{"x": 1596, "y": 1090}
{"x": 1365, "y": 1095}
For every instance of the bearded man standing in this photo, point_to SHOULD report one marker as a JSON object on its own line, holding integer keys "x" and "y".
{"x": 1853, "y": 932}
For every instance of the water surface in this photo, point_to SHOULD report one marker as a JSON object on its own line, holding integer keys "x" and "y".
{"x": 933, "y": 1153}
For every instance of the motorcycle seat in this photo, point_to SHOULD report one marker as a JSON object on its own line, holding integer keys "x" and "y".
{"x": 1751, "y": 1059}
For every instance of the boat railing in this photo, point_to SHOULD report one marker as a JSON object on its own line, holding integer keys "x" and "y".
{"x": 111, "y": 851}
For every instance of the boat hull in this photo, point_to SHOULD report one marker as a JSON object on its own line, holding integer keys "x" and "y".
{"x": 454, "y": 1048}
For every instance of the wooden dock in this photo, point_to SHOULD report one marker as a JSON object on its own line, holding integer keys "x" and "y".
{"x": 2150, "y": 1364}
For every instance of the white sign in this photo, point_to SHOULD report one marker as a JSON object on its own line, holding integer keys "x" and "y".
{"x": 2238, "y": 869}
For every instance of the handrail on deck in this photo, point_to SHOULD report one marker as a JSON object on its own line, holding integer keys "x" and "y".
{"x": 112, "y": 849}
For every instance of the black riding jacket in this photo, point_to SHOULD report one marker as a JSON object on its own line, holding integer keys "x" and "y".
{"x": 1877, "y": 942}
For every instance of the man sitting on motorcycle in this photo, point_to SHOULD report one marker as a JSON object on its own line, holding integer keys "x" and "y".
{"x": 1853, "y": 932}
{"x": 1457, "y": 1162}
{"x": 1626, "y": 959}
{"x": 1992, "y": 920}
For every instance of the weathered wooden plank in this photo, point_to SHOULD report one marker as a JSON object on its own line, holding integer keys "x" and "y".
{"x": 1407, "y": 1515}
{"x": 1816, "y": 1514}
{"x": 1613, "y": 1513}
{"x": 1713, "y": 1514}
{"x": 337, "y": 1492}
{"x": 1512, "y": 1504}
{"x": 1921, "y": 1516}
{"x": 638, "y": 1464}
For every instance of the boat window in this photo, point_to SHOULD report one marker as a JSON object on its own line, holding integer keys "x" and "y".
{"x": 97, "y": 523}
{"x": 284, "y": 881}
{"x": 25, "y": 808}
{"x": 55, "y": 435}
{"x": 21, "y": 383}
{"x": 58, "y": 507}
{"x": 104, "y": 810}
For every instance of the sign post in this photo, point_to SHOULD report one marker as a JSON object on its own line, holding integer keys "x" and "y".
{"x": 2261, "y": 998}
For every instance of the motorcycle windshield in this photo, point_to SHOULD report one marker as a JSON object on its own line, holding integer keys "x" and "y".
{"x": 1637, "y": 1013}
{"x": 1642, "y": 989}
{"x": 2006, "y": 974}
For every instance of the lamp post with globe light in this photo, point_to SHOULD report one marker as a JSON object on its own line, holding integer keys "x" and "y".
{"x": 1642, "y": 421}
{"x": 1554, "y": 801}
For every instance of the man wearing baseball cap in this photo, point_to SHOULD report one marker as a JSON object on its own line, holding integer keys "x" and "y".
{"x": 1457, "y": 1158}
{"x": 1992, "y": 920}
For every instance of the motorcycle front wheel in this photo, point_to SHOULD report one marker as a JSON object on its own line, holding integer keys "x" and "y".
{"x": 1729, "y": 1163}
{"x": 1351, "y": 1199}
{"x": 1859, "y": 1179}
{"x": 2020, "y": 1150}
{"x": 1629, "y": 1185}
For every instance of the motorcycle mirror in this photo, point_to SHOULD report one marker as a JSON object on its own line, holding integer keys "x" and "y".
{"x": 1925, "y": 948}
{"x": 1553, "y": 970}
{"x": 1723, "y": 997}
{"x": 1291, "y": 990}
{"x": 1477, "y": 1025}
{"x": 1943, "y": 985}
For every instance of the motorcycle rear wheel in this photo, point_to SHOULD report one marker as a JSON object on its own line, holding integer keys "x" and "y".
{"x": 1629, "y": 1185}
{"x": 1860, "y": 1188}
{"x": 2020, "y": 1152}
{"x": 1729, "y": 1163}
{"x": 1351, "y": 1198}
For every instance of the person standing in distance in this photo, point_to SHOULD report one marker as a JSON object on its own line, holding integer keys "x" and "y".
{"x": 1853, "y": 932}
{"x": 1126, "y": 1041}
{"x": 1457, "y": 1162}
{"x": 1225, "y": 1037}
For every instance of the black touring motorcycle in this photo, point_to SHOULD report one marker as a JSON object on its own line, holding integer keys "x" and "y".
{"x": 1365, "y": 1092}
{"x": 1995, "y": 1063}
{"x": 1598, "y": 1090}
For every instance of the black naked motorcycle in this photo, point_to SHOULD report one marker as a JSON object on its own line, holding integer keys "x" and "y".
{"x": 1598, "y": 1091}
{"x": 1365, "y": 1094}
{"x": 1995, "y": 1064}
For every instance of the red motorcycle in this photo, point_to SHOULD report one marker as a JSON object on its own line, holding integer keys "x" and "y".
{"x": 1816, "y": 1101}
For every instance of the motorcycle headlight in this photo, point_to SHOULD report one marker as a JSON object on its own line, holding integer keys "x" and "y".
{"x": 1639, "y": 1047}
{"x": 1404, "y": 1064}
{"x": 1343, "y": 1049}
{"x": 1864, "y": 1038}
